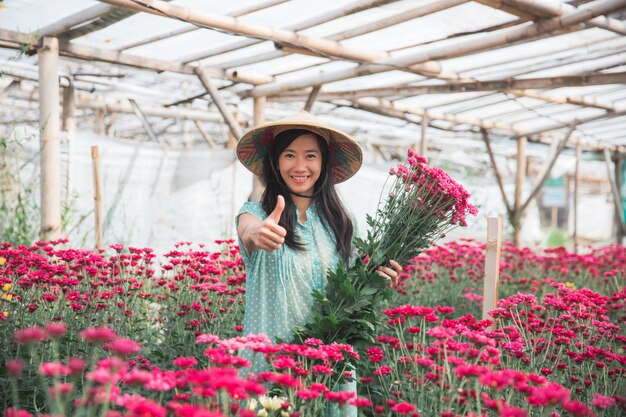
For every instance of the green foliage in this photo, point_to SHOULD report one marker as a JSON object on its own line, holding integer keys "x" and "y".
{"x": 348, "y": 310}
{"x": 19, "y": 206}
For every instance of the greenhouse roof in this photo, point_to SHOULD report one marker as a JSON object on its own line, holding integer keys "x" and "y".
{"x": 546, "y": 70}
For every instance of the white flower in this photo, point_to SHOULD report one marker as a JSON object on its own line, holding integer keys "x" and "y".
{"x": 271, "y": 403}
{"x": 252, "y": 404}
{"x": 262, "y": 413}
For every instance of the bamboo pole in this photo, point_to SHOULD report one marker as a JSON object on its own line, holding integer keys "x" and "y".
{"x": 552, "y": 8}
{"x": 301, "y": 25}
{"x": 258, "y": 187}
{"x": 97, "y": 188}
{"x": 17, "y": 40}
{"x": 492, "y": 85}
{"x": 576, "y": 194}
{"x": 312, "y": 96}
{"x": 492, "y": 265}
{"x": 496, "y": 172}
{"x": 424, "y": 58}
{"x": 376, "y": 105}
{"x": 48, "y": 56}
{"x": 424, "y": 137}
{"x": 144, "y": 121}
{"x": 69, "y": 126}
{"x": 230, "y": 119}
{"x": 617, "y": 198}
{"x": 74, "y": 19}
{"x": 547, "y": 168}
{"x": 519, "y": 184}
{"x": 370, "y": 27}
{"x": 207, "y": 138}
{"x": 190, "y": 28}
{"x": 239, "y": 27}
{"x": 618, "y": 185}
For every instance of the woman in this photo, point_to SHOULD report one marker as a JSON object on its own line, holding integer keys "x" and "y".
{"x": 300, "y": 228}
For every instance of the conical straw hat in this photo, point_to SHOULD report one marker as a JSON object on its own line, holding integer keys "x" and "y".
{"x": 345, "y": 156}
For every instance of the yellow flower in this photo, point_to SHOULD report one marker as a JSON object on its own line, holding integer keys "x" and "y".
{"x": 5, "y": 288}
{"x": 2, "y": 260}
{"x": 570, "y": 285}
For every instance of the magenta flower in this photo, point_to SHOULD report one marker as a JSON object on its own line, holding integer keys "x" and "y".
{"x": 55, "y": 330}
{"x": 98, "y": 335}
{"x": 183, "y": 362}
{"x": 123, "y": 347}
{"x": 403, "y": 408}
{"x": 30, "y": 336}
{"x": 15, "y": 367}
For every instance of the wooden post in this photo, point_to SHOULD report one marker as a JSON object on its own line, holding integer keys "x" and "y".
{"x": 617, "y": 198}
{"x": 48, "y": 56}
{"x": 621, "y": 232}
{"x": 68, "y": 124}
{"x": 97, "y": 186}
{"x": 424, "y": 140}
{"x": 519, "y": 183}
{"x": 98, "y": 124}
{"x": 576, "y": 186}
{"x": 259, "y": 118}
{"x": 492, "y": 265}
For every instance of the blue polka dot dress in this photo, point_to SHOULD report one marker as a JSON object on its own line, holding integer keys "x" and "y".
{"x": 279, "y": 283}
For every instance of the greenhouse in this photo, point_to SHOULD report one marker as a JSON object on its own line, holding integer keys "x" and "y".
{"x": 294, "y": 208}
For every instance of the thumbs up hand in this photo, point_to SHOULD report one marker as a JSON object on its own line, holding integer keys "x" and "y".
{"x": 269, "y": 235}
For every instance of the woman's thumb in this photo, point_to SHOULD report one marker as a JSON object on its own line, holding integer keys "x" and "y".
{"x": 278, "y": 211}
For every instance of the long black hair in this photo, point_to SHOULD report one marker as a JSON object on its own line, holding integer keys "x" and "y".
{"x": 327, "y": 201}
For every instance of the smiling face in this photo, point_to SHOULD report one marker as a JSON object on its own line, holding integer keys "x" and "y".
{"x": 300, "y": 164}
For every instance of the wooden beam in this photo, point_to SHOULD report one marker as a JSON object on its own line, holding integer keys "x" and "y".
{"x": 190, "y": 28}
{"x": 144, "y": 121}
{"x": 312, "y": 96}
{"x": 230, "y": 119}
{"x": 471, "y": 86}
{"x": 547, "y": 168}
{"x": 18, "y": 40}
{"x": 341, "y": 11}
{"x": 403, "y": 16}
{"x": 239, "y": 27}
{"x": 207, "y": 138}
{"x": 50, "y": 156}
{"x": 552, "y": 8}
{"x": 82, "y": 16}
{"x": 496, "y": 173}
{"x": 424, "y": 59}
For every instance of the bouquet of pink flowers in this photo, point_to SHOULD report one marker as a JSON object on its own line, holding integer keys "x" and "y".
{"x": 423, "y": 204}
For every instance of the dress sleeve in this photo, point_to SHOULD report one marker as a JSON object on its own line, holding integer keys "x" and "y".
{"x": 254, "y": 208}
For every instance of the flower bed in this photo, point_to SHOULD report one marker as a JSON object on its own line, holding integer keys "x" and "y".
{"x": 84, "y": 333}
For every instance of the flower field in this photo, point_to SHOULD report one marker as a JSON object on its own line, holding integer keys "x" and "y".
{"x": 116, "y": 334}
